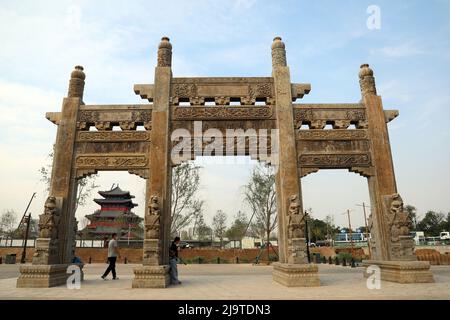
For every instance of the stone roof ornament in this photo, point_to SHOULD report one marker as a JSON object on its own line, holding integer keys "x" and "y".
{"x": 367, "y": 80}
{"x": 278, "y": 53}
{"x": 165, "y": 53}
{"x": 76, "y": 84}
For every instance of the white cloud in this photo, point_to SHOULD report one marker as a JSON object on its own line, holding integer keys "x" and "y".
{"x": 399, "y": 51}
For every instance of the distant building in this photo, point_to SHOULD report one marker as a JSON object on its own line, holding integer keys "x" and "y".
{"x": 114, "y": 216}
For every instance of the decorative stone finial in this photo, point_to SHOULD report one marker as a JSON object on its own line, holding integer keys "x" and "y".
{"x": 367, "y": 80}
{"x": 278, "y": 53}
{"x": 165, "y": 53}
{"x": 76, "y": 84}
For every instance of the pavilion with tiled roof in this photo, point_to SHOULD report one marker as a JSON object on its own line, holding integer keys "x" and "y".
{"x": 114, "y": 216}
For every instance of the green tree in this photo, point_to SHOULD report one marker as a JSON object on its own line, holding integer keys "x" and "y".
{"x": 19, "y": 233}
{"x": 412, "y": 213}
{"x": 185, "y": 204}
{"x": 237, "y": 230}
{"x": 85, "y": 187}
{"x": 432, "y": 223}
{"x": 201, "y": 230}
{"x": 219, "y": 225}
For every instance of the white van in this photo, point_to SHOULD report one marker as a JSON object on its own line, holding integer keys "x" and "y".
{"x": 444, "y": 235}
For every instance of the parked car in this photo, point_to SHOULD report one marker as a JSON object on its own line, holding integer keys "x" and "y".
{"x": 444, "y": 235}
{"x": 185, "y": 245}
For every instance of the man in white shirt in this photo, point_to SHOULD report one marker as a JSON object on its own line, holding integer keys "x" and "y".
{"x": 113, "y": 253}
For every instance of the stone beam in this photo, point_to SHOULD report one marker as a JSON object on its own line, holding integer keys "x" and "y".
{"x": 146, "y": 91}
{"x": 390, "y": 115}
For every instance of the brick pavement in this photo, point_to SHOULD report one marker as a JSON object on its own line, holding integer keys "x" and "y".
{"x": 226, "y": 281}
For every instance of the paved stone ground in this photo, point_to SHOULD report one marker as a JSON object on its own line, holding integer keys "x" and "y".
{"x": 230, "y": 281}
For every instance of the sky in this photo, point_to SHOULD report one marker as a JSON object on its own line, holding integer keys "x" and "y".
{"x": 326, "y": 42}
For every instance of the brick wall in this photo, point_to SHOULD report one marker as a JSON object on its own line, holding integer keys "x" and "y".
{"x": 133, "y": 255}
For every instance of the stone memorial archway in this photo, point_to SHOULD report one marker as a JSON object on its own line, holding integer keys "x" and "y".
{"x": 295, "y": 153}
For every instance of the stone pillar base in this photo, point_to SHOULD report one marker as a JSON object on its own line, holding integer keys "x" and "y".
{"x": 151, "y": 277}
{"x": 296, "y": 275}
{"x": 44, "y": 276}
{"x": 401, "y": 271}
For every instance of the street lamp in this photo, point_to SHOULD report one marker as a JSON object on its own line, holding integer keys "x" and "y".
{"x": 307, "y": 236}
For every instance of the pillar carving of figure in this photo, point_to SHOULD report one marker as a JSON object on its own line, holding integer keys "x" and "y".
{"x": 46, "y": 244}
{"x": 49, "y": 220}
{"x": 152, "y": 232}
{"x": 296, "y": 232}
{"x": 296, "y": 220}
{"x": 152, "y": 221}
{"x": 399, "y": 224}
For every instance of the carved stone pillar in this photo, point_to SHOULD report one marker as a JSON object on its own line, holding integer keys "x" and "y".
{"x": 291, "y": 250}
{"x": 390, "y": 232}
{"x": 55, "y": 248}
{"x": 154, "y": 272}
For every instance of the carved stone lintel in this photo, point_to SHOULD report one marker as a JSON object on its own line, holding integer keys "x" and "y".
{"x": 363, "y": 171}
{"x": 305, "y": 171}
{"x": 335, "y": 160}
{"x": 222, "y": 112}
{"x": 111, "y": 161}
{"x": 332, "y": 134}
{"x": 143, "y": 173}
{"x": 113, "y": 136}
{"x": 80, "y": 174}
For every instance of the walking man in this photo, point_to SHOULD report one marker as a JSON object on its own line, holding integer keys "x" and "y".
{"x": 173, "y": 260}
{"x": 113, "y": 252}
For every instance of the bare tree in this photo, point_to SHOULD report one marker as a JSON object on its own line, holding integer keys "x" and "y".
{"x": 219, "y": 225}
{"x": 201, "y": 229}
{"x": 260, "y": 195}
{"x": 185, "y": 205}
{"x": 85, "y": 188}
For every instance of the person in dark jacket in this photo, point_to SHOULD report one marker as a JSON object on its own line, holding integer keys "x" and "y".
{"x": 173, "y": 260}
